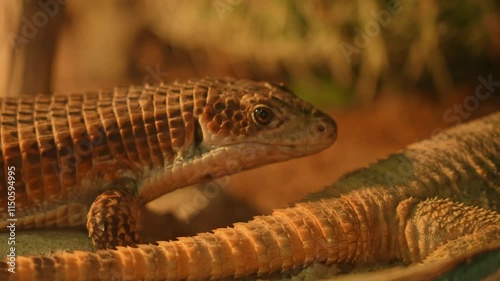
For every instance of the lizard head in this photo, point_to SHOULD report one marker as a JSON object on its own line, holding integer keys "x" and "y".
{"x": 240, "y": 125}
{"x": 255, "y": 123}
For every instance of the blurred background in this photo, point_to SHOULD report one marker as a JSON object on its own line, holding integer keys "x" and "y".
{"x": 390, "y": 73}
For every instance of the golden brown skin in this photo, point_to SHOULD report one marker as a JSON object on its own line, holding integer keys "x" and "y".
{"x": 94, "y": 158}
{"x": 433, "y": 205}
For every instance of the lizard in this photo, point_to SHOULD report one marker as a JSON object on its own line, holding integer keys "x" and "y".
{"x": 94, "y": 159}
{"x": 432, "y": 205}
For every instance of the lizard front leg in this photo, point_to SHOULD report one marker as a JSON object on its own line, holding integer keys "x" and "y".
{"x": 114, "y": 213}
{"x": 113, "y": 219}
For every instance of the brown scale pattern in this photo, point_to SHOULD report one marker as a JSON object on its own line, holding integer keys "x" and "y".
{"x": 124, "y": 124}
{"x": 114, "y": 208}
{"x": 174, "y": 118}
{"x": 161, "y": 124}
{"x": 106, "y": 111}
{"x": 65, "y": 166}
{"x": 31, "y": 157}
{"x": 56, "y": 142}
{"x": 137, "y": 123}
{"x": 146, "y": 101}
{"x": 186, "y": 103}
{"x": 12, "y": 153}
{"x": 92, "y": 135}
{"x": 47, "y": 148}
{"x": 81, "y": 152}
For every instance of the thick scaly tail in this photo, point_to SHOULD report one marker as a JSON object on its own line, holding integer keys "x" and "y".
{"x": 327, "y": 231}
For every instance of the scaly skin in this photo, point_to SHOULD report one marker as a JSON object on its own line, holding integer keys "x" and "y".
{"x": 436, "y": 202}
{"x": 95, "y": 158}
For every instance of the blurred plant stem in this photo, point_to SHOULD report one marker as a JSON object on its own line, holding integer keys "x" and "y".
{"x": 30, "y": 31}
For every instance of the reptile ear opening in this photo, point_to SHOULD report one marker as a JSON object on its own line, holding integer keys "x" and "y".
{"x": 198, "y": 133}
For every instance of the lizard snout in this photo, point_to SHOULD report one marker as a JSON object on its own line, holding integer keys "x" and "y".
{"x": 325, "y": 127}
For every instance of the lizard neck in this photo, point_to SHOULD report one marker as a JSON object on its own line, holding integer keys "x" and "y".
{"x": 206, "y": 166}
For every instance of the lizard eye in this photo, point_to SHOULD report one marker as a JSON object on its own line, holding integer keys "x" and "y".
{"x": 263, "y": 115}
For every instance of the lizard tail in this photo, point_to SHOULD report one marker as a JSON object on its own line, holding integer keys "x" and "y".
{"x": 288, "y": 239}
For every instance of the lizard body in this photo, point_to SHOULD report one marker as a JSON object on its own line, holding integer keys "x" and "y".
{"x": 94, "y": 158}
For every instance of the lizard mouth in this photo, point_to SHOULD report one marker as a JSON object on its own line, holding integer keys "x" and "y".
{"x": 273, "y": 151}
{"x": 296, "y": 147}
{"x": 294, "y": 150}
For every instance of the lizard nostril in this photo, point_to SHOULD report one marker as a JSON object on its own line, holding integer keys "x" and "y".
{"x": 326, "y": 128}
{"x": 321, "y": 128}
